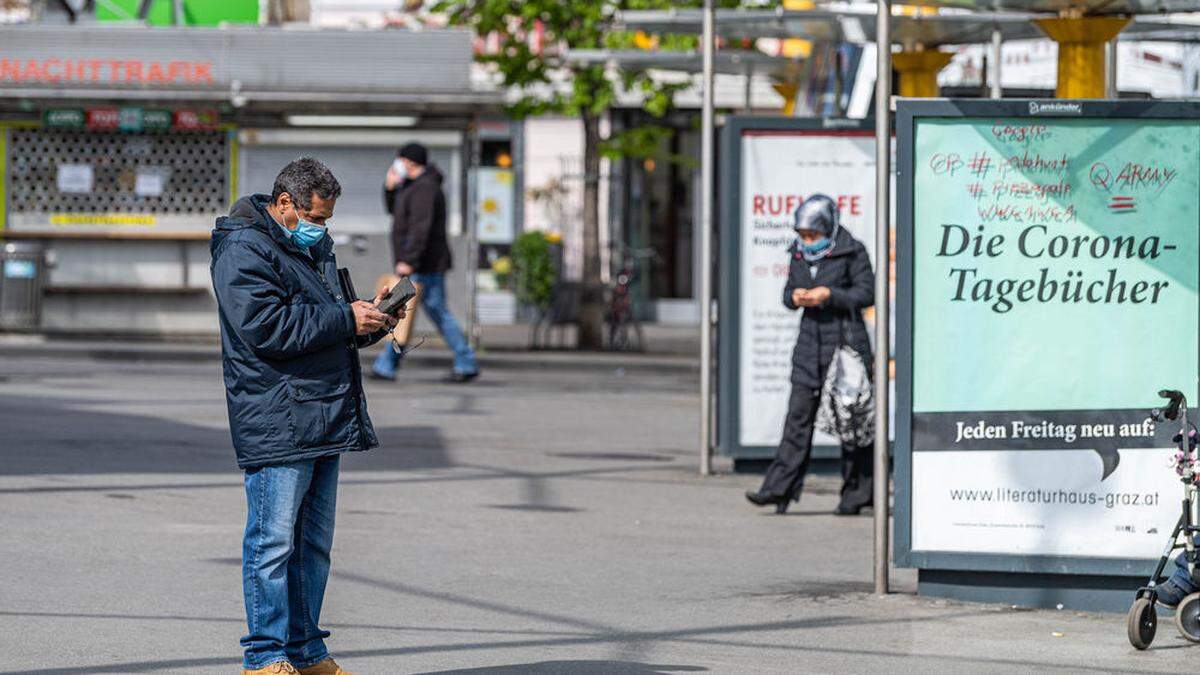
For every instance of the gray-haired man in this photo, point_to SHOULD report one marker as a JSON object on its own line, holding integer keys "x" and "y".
{"x": 290, "y": 338}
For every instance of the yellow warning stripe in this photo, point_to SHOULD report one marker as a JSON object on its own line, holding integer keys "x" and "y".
{"x": 134, "y": 219}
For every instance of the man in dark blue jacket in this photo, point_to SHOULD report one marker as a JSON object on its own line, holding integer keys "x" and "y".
{"x": 289, "y": 341}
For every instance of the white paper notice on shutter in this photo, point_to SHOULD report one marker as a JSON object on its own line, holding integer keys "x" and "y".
{"x": 75, "y": 178}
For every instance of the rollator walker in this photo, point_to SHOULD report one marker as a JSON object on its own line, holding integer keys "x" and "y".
{"x": 1143, "y": 617}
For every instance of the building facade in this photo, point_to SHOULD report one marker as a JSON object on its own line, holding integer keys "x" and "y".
{"x": 120, "y": 145}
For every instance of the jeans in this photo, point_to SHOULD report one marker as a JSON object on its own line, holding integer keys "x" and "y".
{"x": 285, "y": 560}
{"x": 433, "y": 301}
{"x": 387, "y": 362}
{"x": 1181, "y": 576}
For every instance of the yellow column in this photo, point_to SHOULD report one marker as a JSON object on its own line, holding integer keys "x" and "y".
{"x": 1081, "y": 43}
{"x": 785, "y": 89}
{"x": 793, "y": 48}
{"x": 918, "y": 72}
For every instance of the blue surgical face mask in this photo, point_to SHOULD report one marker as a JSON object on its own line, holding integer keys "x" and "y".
{"x": 306, "y": 234}
{"x": 818, "y": 246}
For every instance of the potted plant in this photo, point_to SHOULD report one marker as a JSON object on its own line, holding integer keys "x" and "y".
{"x": 533, "y": 270}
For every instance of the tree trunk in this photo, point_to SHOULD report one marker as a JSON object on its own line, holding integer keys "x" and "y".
{"x": 591, "y": 311}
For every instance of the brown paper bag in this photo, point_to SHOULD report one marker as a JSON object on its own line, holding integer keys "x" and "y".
{"x": 403, "y": 329}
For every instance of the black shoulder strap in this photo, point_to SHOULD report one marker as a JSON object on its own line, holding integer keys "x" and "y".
{"x": 347, "y": 285}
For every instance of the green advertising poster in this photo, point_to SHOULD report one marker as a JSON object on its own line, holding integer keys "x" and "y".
{"x": 1054, "y": 250}
{"x": 1054, "y": 283}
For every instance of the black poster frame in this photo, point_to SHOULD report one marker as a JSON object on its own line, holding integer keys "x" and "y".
{"x": 908, "y": 113}
{"x": 729, "y": 282}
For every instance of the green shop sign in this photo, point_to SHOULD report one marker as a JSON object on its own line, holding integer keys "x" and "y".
{"x": 156, "y": 120}
{"x": 130, "y": 119}
{"x": 64, "y": 118}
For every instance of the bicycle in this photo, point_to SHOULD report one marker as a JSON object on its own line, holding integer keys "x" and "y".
{"x": 624, "y": 329}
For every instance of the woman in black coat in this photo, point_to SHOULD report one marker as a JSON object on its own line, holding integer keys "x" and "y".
{"x": 831, "y": 279}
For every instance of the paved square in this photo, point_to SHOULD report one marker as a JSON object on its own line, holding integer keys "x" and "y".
{"x": 538, "y": 521}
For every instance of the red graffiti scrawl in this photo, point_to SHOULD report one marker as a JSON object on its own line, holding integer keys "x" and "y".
{"x": 1122, "y": 204}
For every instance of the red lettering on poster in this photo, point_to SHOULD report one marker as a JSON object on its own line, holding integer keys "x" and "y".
{"x": 786, "y": 205}
{"x": 850, "y": 204}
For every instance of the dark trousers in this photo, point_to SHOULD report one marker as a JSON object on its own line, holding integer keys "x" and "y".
{"x": 785, "y": 477}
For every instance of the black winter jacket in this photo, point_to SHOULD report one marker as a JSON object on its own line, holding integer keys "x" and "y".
{"x": 418, "y": 210}
{"x": 293, "y": 382}
{"x": 846, "y": 272}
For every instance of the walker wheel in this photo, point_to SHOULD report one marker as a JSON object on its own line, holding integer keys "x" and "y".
{"x": 1187, "y": 617}
{"x": 1142, "y": 623}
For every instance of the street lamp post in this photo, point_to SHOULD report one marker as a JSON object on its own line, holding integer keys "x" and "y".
{"x": 706, "y": 220}
{"x": 995, "y": 59}
{"x": 883, "y": 157}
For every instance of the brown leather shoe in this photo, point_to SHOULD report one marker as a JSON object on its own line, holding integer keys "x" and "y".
{"x": 326, "y": 667}
{"x": 277, "y": 668}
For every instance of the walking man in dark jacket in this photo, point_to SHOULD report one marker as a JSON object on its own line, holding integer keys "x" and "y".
{"x": 289, "y": 342}
{"x": 421, "y": 251}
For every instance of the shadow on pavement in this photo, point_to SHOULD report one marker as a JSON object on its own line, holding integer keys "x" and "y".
{"x": 574, "y": 668}
{"x": 538, "y": 508}
{"x": 572, "y": 631}
{"x": 699, "y": 635}
{"x": 241, "y": 620}
{"x": 63, "y": 436}
{"x": 613, "y": 456}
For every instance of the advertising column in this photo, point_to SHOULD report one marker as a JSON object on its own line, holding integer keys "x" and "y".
{"x": 1053, "y": 293}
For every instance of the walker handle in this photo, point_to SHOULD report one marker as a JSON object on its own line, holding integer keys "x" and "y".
{"x": 1176, "y": 398}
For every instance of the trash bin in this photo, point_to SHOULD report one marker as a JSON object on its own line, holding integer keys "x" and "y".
{"x": 21, "y": 273}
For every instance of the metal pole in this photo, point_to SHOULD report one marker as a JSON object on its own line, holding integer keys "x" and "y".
{"x": 471, "y": 214}
{"x": 839, "y": 82}
{"x": 748, "y": 93}
{"x": 994, "y": 57}
{"x": 1110, "y": 69}
{"x": 883, "y": 158}
{"x": 706, "y": 222}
